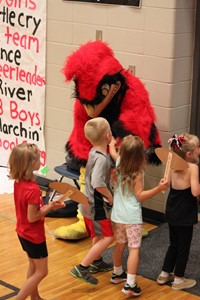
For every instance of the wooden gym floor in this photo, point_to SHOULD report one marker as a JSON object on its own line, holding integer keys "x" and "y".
{"x": 63, "y": 255}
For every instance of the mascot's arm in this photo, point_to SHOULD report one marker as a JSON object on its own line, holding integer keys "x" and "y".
{"x": 94, "y": 111}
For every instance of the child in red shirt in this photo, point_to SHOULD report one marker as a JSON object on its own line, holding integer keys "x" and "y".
{"x": 30, "y": 212}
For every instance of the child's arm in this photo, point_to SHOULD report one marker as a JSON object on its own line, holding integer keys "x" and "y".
{"x": 34, "y": 214}
{"x": 112, "y": 149}
{"x": 194, "y": 179}
{"x": 106, "y": 193}
{"x": 142, "y": 195}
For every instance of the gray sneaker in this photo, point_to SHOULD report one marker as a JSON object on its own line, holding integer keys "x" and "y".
{"x": 186, "y": 284}
{"x": 100, "y": 266}
{"x": 83, "y": 274}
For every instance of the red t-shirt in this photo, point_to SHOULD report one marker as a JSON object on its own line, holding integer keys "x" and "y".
{"x": 25, "y": 193}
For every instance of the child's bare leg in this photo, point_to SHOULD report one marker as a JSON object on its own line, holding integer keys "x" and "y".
{"x": 38, "y": 269}
{"x": 31, "y": 270}
{"x": 99, "y": 246}
{"x": 94, "y": 241}
{"x": 35, "y": 295}
{"x": 133, "y": 260}
{"x": 118, "y": 254}
{"x": 131, "y": 288}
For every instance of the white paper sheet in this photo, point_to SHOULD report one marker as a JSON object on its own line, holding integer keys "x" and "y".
{"x": 6, "y": 185}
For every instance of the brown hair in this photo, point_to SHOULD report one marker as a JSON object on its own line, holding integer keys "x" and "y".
{"x": 132, "y": 158}
{"x": 22, "y": 161}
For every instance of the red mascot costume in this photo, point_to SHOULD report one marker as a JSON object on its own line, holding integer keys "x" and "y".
{"x": 104, "y": 88}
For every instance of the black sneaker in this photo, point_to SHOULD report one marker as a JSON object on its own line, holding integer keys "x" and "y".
{"x": 132, "y": 290}
{"x": 83, "y": 274}
{"x": 100, "y": 266}
{"x": 118, "y": 278}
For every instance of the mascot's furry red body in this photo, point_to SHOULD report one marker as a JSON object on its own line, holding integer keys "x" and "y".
{"x": 94, "y": 70}
{"x": 93, "y": 67}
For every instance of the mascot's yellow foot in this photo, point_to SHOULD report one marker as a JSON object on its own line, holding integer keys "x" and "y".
{"x": 74, "y": 231}
{"x": 77, "y": 231}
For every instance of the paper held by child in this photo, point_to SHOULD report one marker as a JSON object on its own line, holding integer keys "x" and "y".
{"x": 68, "y": 191}
{"x": 172, "y": 160}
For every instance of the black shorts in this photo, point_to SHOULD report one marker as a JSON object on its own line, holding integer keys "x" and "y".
{"x": 34, "y": 250}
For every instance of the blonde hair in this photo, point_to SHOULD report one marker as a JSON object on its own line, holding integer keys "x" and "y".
{"x": 96, "y": 129}
{"x": 183, "y": 143}
{"x": 22, "y": 161}
{"x": 132, "y": 159}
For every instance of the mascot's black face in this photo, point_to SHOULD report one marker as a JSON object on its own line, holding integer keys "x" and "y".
{"x": 112, "y": 110}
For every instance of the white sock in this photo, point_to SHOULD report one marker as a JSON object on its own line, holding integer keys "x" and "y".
{"x": 164, "y": 274}
{"x": 118, "y": 270}
{"x": 131, "y": 279}
{"x": 178, "y": 280}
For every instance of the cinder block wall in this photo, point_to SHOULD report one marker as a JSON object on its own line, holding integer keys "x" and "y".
{"x": 157, "y": 39}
